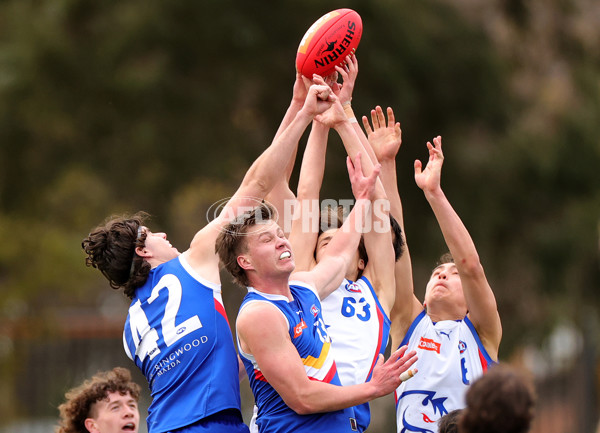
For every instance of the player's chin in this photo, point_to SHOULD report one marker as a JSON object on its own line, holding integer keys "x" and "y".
{"x": 287, "y": 264}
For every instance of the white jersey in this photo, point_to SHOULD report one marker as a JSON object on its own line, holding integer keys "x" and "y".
{"x": 359, "y": 331}
{"x": 451, "y": 357}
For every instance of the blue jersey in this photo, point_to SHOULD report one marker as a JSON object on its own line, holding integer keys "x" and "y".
{"x": 307, "y": 332}
{"x": 177, "y": 333}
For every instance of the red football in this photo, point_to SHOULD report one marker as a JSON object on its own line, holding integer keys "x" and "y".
{"x": 328, "y": 42}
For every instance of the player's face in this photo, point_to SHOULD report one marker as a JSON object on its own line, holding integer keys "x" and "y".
{"x": 115, "y": 414}
{"x": 445, "y": 283}
{"x": 268, "y": 249}
{"x": 158, "y": 245}
{"x": 323, "y": 241}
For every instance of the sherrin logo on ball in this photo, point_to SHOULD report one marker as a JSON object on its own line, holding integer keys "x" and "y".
{"x": 328, "y": 42}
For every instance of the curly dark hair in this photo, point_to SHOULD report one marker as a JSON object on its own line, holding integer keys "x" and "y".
{"x": 231, "y": 241}
{"x": 76, "y": 409}
{"x": 110, "y": 248}
{"x": 500, "y": 401}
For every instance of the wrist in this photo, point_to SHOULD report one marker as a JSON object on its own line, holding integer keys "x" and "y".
{"x": 343, "y": 126}
{"x": 434, "y": 194}
{"x": 304, "y": 116}
{"x": 348, "y": 110}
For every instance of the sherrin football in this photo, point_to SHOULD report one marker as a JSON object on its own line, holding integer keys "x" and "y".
{"x": 328, "y": 42}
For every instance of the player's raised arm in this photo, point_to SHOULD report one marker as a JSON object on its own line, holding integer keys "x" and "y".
{"x": 349, "y": 72}
{"x": 481, "y": 303}
{"x": 305, "y": 224}
{"x": 327, "y": 275}
{"x": 386, "y": 139}
{"x": 281, "y": 195}
{"x": 259, "y": 179}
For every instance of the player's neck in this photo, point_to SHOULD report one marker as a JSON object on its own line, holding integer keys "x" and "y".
{"x": 274, "y": 285}
{"x": 439, "y": 313}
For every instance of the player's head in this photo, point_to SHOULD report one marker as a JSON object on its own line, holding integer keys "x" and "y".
{"x": 332, "y": 219}
{"x": 254, "y": 244}
{"x": 106, "y": 403}
{"x": 500, "y": 401}
{"x": 444, "y": 289}
{"x": 111, "y": 248}
{"x": 449, "y": 422}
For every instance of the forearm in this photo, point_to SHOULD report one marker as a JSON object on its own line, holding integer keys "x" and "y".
{"x": 313, "y": 162}
{"x": 317, "y": 397}
{"x": 455, "y": 233}
{"x": 353, "y": 146}
{"x": 266, "y": 170}
{"x": 345, "y": 241}
{"x": 293, "y": 109}
{"x": 390, "y": 185}
{"x": 360, "y": 133}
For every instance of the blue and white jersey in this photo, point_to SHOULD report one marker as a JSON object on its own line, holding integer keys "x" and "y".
{"x": 451, "y": 357}
{"x": 177, "y": 333}
{"x": 359, "y": 331}
{"x": 307, "y": 333}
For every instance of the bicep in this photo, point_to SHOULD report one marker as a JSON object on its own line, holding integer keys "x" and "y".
{"x": 264, "y": 333}
{"x": 483, "y": 311}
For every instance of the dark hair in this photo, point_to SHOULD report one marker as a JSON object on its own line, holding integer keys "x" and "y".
{"x": 110, "y": 248}
{"x": 397, "y": 238}
{"x": 449, "y": 422}
{"x": 334, "y": 218}
{"x": 500, "y": 401}
{"x": 231, "y": 241}
{"x": 76, "y": 409}
{"x": 445, "y": 258}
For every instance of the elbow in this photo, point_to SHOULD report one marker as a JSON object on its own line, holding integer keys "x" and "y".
{"x": 302, "y": 402}
{"x": 255, "y": 187}
{"x": 301, "y": 406}
{"x": 471, "y": 265}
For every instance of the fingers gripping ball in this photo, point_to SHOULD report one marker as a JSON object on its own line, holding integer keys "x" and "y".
{"x": 328, "y": 41}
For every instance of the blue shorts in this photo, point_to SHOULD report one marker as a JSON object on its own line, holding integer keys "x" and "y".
{"x": 226, "y": 421}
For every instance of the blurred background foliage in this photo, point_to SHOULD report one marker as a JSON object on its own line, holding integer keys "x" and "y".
{"x": 118, "y": 106}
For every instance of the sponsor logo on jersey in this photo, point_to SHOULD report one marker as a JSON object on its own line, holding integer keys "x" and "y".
{"x": 353, "y": 288}
{"x": 298, "y": 328}
{"x": 429, "y": 344}
{"x": 462, "y": 346}
{"x": 314, "y": 310}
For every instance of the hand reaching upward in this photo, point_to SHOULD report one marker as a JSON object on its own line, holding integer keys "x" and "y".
{"x": 362, "y": 187}
{"x": 384, "y": 139}
{"x": 429, "y": 178}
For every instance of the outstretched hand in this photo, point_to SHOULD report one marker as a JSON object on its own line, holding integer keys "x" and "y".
{"x": 429, "y": 179}
{"x": 386, "y": 375}
{"x": 348, "y": 71}
{"x": 384, "y": 139}
{"x": 362, "y": 187}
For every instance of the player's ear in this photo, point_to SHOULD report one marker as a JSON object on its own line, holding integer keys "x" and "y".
{"x": 90, "y": 425}
{"x": 142, "y": 252}
{"x": 361, "y": 264}
{"x": 244, "y": 262}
